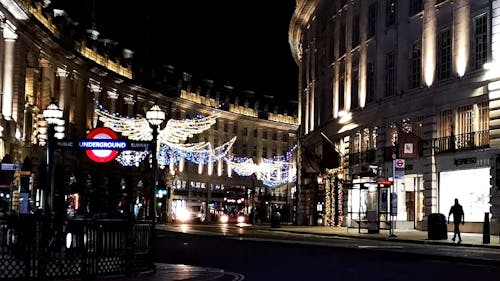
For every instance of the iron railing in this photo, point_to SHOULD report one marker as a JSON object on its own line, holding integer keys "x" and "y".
{"x": 34, "y": 248}
{"x": 468, "y": 141}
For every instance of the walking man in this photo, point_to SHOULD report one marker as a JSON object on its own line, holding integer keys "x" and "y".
{"x": 458, "y": 216}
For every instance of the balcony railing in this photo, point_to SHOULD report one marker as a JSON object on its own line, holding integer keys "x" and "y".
{"x": 468, "y": 141}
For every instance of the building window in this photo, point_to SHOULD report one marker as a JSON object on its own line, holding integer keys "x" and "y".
{"x": 244, "y": 150}
{"x": 245, "y": 132}
{"x": 226, "y": 127}
{"x": 285, "y": 137}
{"x": 264, "y": 135}
{"x": 416, "y": 6}
{"x": 391, "y": 11}
{"x": 444, "y": 54}
{"x": 419, "y": 126}
{"x": 390, "y": 74}
{"x": 235, "y": 129}
{"x": 370, "y": 82}
{"x": 332, "y": 43}
{"x": 365, "y": 145}
{"x": 264, "y": 152}
{"x": 341, "y": 84}
{"x": 372, "y": 19}
{"x": 254, "y": 150}
{"x": 355, "y": 31}
{"x": 275, "y": 136}
{"x": 342, "y": 47}
{"x": 255, "y": 133}
{"x": 465, "y": 121}
{"x": 356, "y": 144}
{"x": 480, "y": 42}
{"x": 416, "y": 65}
{"x": 483, "y": 116}
{"x": 355, "y": 82}
{"x": 374, "y": 136}
{"x": 445, "y": 123}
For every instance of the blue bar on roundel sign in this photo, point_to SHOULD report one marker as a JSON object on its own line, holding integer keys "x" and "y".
{"x": 103, "y": 144}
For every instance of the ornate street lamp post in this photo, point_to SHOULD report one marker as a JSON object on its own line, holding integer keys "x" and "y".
{"x": 155, "y": 117}
{"x": 52, "y": 114}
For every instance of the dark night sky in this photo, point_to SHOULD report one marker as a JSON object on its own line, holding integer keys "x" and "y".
{"x": 239, "y": 43}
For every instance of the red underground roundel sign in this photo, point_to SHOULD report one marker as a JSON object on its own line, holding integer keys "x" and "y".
{"x": 100, "y": 143}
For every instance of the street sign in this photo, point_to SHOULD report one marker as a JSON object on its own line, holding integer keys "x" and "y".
{"x": 98, "y": 154}
{"x": 399, "y": 163}
{"x": 399, "y": 168}
{"x": 103, "y": 144}
{"x": 10, "y": 167}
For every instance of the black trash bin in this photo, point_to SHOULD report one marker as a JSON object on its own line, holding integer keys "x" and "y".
{"x": 437, "y": 228}
{"x": 275, "y": 219}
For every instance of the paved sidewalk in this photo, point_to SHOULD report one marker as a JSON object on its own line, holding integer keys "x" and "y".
{"x": 410, "y": 236}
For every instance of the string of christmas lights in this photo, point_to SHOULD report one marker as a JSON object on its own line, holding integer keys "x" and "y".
{"x": 196, "y": 153}
{"x": 129, "y": 158}
{"x": 272, "y": 172}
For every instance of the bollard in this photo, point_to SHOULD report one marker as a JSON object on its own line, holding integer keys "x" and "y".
{"x": 486, "y": 229}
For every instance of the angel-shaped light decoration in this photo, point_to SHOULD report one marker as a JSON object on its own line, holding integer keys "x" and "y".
{"x": 170, "y": 139}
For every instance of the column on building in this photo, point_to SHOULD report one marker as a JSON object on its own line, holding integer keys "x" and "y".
{"x": 429, "y": 169}
{"x": 95, "y": 90}
{"x": 46, "y": 87}
{"x": 461, "y": 36}
{"x": 63, "y": 98}
{"x": 112, "y": 96}
{"x": 363, "y": 56}
{"x": 129, "y": 101}
{"x": 429, "y": 41}
{"x": 9, "y": 36}
{"x": 30, "y": 109}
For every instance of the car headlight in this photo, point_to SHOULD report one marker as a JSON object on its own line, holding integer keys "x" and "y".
{"x": 224, "y": 219}
{"x": 184, "y": 215}
{"x": 241, "y": 219}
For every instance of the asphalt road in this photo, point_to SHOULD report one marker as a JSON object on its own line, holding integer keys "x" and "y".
{"x": 261, "y": 255}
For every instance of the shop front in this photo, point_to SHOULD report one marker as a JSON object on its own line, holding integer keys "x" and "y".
{"x": 472, "y": 189}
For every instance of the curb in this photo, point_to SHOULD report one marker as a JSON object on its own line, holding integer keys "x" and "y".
{"x": 428, "y": 242}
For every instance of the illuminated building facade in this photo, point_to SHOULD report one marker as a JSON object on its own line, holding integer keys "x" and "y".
{"x": 413, "y": 80}
{"x": 41, "y": 61}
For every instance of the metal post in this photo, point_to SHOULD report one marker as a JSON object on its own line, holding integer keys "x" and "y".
{"x": 393, "y": 190}
{"x": 50, "y": 179}
{"x": 152, "y": 210}
{"x": 154, "y": 166}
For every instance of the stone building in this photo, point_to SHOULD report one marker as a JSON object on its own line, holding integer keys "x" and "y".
{"x": 46, "y": 57}
{"x": 411, "y": 80}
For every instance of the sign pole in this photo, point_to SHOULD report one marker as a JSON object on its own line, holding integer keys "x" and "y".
{"x": 393, "y": 187}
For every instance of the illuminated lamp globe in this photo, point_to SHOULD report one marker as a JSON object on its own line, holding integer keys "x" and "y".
{"x": 155, "y": 115}
{"x": 52, "y": 114}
